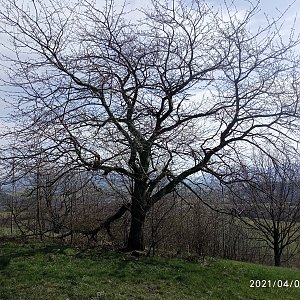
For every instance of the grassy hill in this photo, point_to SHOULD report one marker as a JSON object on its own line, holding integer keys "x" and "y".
{"x": 53, "y": 272}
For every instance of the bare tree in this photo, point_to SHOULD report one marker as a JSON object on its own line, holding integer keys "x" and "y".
{"x": 268, "y": 201}
{"x": 153, "y": 96}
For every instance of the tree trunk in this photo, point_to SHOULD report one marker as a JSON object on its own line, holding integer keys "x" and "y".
{"x": 277, "y": 255}
{"x": 138, "y": 215}
{"x": 136, "y": 236}
{"x": 277, "y": 250}
{"x": 277, "y": 259}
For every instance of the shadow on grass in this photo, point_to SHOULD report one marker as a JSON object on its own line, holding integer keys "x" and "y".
{"x": 10, "y": 251}
{"x": 4, "y": 262}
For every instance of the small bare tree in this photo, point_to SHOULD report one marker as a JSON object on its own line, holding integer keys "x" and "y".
{"x": 153, "y": 96}
{"x": 268, "y": 201}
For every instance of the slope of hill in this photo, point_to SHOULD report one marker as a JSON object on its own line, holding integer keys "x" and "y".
{"x": 38, "y": 271}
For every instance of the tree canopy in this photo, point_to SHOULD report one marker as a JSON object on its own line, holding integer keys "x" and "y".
{"x": 154, "y": 96}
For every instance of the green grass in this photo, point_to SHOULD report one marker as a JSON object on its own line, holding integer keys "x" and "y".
{"x": 38, "y": 271}
{"x": 5, "y": 231}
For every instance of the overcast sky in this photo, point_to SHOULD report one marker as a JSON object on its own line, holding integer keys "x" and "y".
{"x": 271, "y": 7}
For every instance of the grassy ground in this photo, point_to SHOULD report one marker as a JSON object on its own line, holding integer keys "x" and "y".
{"x": 54, "y": 272}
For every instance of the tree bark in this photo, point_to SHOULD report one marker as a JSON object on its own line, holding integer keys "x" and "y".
{"x": 136, "y": 235}
{"x": 138, "y": 216}
{"x": 277, "y": 259}
{"x": 277, "y": 250}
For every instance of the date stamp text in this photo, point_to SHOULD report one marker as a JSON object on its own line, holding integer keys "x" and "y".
{"x": 275, "y": 283}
